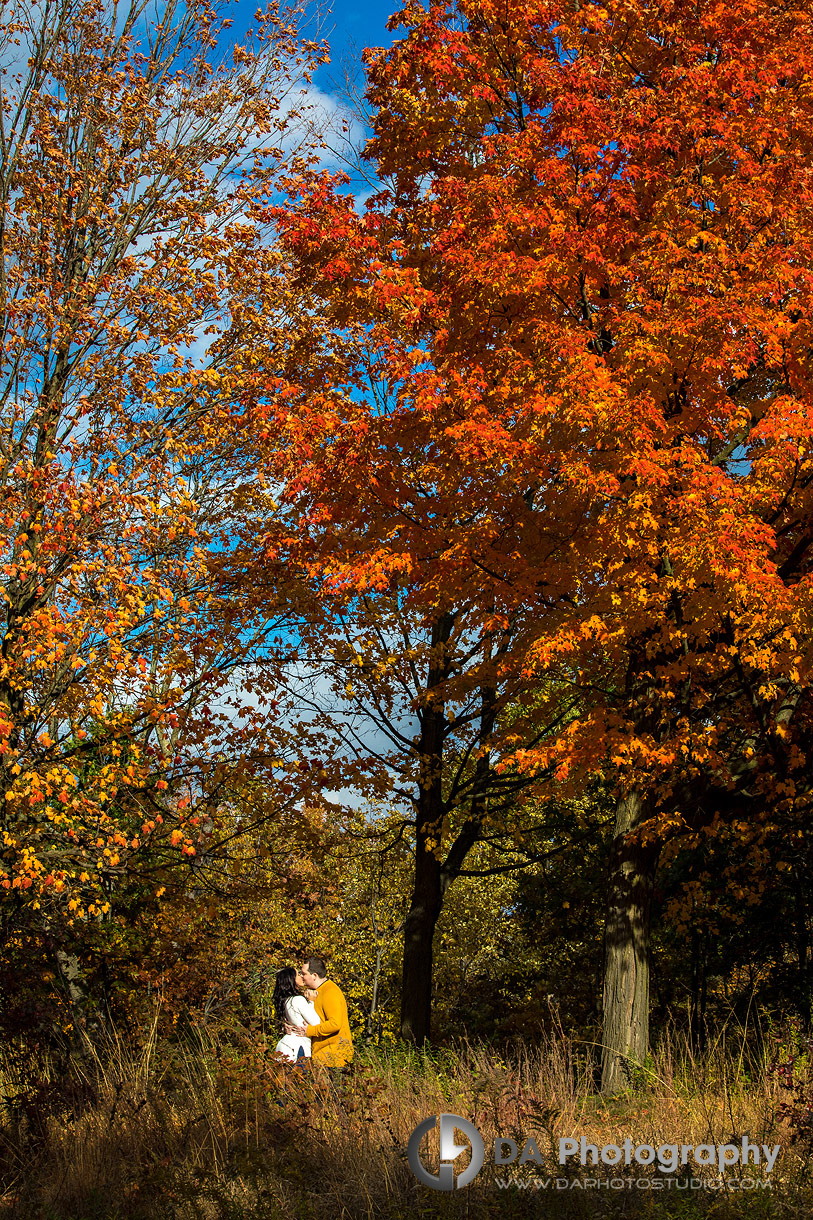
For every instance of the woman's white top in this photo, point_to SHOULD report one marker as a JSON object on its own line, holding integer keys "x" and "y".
{"x": 298, "y": 1011}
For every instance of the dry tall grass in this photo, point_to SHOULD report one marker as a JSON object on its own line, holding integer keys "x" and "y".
{"x": 209, "y": 1126}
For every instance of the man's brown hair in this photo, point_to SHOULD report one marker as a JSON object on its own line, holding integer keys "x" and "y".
{"x": 316, "y": 965}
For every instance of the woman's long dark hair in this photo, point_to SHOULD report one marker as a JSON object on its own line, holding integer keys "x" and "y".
{"x": 284, "y": 987}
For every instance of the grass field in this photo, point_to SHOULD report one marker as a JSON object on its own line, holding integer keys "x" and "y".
{"x": 210, "y": 1126}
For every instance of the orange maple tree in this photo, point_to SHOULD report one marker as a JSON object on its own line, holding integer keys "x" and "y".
{"x": 136, "y": 287}
{"x": 569, "y": 383}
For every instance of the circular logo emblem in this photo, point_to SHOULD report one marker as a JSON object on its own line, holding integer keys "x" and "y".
{"x": 449, "y": 1152}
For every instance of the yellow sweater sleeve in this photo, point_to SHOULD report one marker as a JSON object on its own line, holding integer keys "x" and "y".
{"x": 331, "y": 1023}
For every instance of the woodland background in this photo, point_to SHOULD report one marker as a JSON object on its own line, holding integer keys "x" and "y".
{"x": 409, "y": 562}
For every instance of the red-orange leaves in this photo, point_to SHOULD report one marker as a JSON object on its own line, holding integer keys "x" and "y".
{"x": 568, "y": 352}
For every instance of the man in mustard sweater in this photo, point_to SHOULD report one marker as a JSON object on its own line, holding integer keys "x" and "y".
{"x": 331, "y": 1042}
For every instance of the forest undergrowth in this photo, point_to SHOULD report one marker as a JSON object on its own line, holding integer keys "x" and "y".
{"x": 206, "y": 1124}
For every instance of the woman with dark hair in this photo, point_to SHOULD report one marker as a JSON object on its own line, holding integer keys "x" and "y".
{"x": 291, "y": 1006}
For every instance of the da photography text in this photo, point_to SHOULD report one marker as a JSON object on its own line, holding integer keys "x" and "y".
{"x": 666, "y": 1157}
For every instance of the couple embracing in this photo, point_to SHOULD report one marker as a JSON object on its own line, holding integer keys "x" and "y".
{"x": 313, "y": 1012}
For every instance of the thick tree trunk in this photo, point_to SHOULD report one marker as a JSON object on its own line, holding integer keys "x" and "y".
{"x": 626, "y": 950}
{"x": 419, "y": 934}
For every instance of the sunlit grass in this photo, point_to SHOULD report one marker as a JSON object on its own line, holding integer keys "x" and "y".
{"x": 210, "y": 1126}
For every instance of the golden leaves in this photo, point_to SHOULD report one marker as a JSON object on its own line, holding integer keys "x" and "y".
{"x": 121, "y": 250}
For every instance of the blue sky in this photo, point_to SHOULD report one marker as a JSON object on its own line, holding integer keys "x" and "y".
{"x": 348, "y": 27}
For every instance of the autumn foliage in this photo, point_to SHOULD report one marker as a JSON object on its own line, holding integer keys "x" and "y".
{"x": 135, "y": 288}
{"x": 599, "y": 239}
{"x": 573, "y": 331}
{"x": 357, "y": 557}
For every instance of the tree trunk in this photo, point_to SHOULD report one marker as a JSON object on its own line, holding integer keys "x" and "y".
{"x": 626, "y": 950}
{"x": 699, "y": 980}
{"x": 427, "y": 891}
{"x": 433, "y": 875}
{"x": 419, "y": 934}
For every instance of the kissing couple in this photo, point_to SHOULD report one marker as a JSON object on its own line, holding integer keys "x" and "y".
{"x": 313, "y": 1012}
